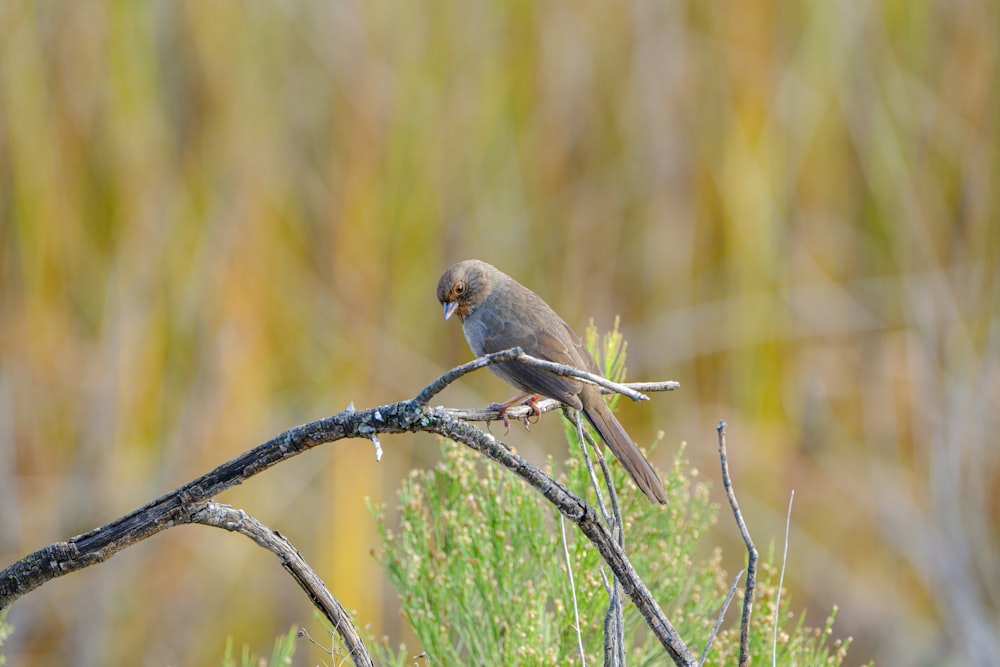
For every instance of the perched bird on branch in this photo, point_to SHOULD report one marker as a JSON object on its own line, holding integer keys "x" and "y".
{"x": 499, "y": 313}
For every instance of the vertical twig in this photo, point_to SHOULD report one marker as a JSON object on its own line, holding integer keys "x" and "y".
{"x": 616, "y": 510}
{"x": 781, "y": 582}
{"x": 614, "y": 621}
{"x": 751, "y": 584}
{"x": 614, "y": 628}
{"x": 582, "y": 440}
{"x": 572, "y": 590}
{"x": 718, "y": 621}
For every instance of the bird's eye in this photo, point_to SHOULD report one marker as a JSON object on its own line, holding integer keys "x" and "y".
{"x": 459, "y": 287}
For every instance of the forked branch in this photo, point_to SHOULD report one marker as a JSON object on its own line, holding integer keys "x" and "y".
{"x": 190, "y": 502}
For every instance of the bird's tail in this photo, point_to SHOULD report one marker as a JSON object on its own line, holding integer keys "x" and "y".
{"x": 597, "y": 413}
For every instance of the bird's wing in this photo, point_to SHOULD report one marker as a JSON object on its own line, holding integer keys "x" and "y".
{"x": 499, "y": 334}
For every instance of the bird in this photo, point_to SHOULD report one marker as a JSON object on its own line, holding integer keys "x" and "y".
{"x": 499, "y": 313}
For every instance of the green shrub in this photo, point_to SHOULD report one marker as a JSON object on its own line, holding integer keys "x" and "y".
{"x": 478, "y": 563}
{"x": 479, "y": 567}
{"x": 284, "y": 649}
{"x": 5, "y": 631}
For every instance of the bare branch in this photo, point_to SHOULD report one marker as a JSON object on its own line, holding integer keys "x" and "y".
{"x": 436, "y": 387}
{"x": 184, "y": 503}
{"x": 513, "y": 412}
{"x": 515, "y": 354}
{"x": 176, "y": 506}
{"x": 547, "y": 404}
{"x": 752, "y": 555}
{"x": 614, "y": 623}
{"x": 582, "y": 439}
{"x": 570, "y": 371}
{"x": 224, "y": 516}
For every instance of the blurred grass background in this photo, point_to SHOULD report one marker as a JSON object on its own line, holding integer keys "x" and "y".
{"x": 218, "y": 220}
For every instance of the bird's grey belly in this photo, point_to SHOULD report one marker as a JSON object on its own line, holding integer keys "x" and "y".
{"x": 476, "y": 334}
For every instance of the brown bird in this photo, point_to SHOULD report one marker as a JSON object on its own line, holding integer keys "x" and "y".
{"x": 499, "y": 313}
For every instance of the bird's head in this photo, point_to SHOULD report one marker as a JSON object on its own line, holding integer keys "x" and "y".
{"x": 464, "y": 286}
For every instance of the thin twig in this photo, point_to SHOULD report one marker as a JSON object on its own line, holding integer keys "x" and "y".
{"x": 572, "y": 590}
{"x": 718, "y": 621}
{"x": 570, "y": 371}
{"x": 752, "y": 555}
{"x": 614, "y": 629}
{"x": 436, "y": 387}
{"x": 582, "y": 439}
{"x": 513, "y": 412}
{"x": 667, "y": 385}
{"x": 616, "y": 510}
{"x": 516, "y": 355}
{"x": 781, "y": 581}
{"x": 548, "y": 404}
{"x": 303, "y": 633}
{"x": 614, "y": 620}
{"x": 614, "y": 624}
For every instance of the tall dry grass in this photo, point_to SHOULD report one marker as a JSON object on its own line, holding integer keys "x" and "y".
{"x": 221, "y": 219}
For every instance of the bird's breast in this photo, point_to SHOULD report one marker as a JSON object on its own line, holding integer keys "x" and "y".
{"x": 475, "y": 334}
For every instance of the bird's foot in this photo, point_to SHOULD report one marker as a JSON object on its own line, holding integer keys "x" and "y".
{"x": 500, "y": 408}
{"x": 532, "y": 403}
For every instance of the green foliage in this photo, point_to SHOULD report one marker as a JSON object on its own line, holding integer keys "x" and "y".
{"x": 478, "y": 562}
{"x": 6, "y": 630}
{"x": 284, "y": 649}
{"x": 479, "y": 567}
{"x": 609, "y": 350}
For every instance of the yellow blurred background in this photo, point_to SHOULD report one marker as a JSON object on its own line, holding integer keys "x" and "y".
{"x": 219, "y": 220}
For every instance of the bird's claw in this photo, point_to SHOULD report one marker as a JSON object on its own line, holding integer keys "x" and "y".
{"x": 502, "y": 409}
{"x": 532, "y": 403}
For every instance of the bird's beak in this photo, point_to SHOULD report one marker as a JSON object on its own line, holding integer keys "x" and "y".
{"x": 449, "y": 308}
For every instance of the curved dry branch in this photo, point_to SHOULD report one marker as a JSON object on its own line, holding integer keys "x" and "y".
{"x": 230, "y": 518}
